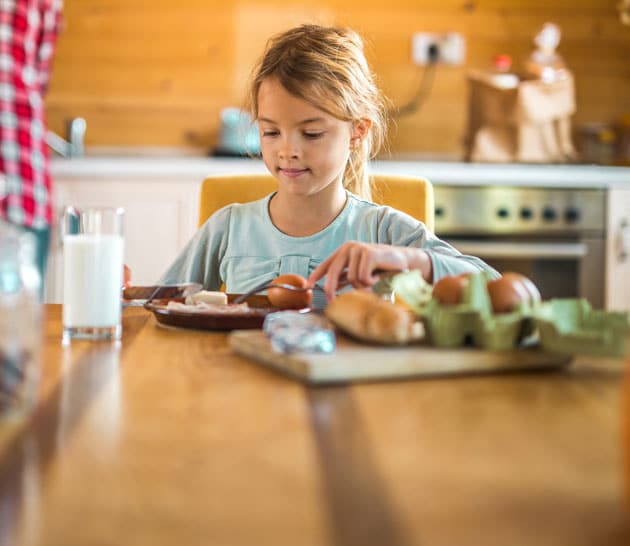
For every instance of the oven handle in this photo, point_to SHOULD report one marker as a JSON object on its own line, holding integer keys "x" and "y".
{"x": 498, "y": 250}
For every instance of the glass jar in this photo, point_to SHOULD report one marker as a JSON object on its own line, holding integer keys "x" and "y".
{"x": 20, "y": 322}
{"x": 596, "y": 143}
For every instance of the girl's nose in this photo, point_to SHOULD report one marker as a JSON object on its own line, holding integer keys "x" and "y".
{"x": 288, "y": 149}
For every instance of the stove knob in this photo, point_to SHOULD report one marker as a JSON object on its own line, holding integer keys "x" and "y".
{"x": 526, "y": 213}
{"x": 572, "y": 215}
{"x": 503, "y": 212}
{"x": 439, "y": 211}
{"x": 549, "y": 214}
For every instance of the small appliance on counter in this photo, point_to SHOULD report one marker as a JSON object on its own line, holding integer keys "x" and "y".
{"x": 238, "y": 135}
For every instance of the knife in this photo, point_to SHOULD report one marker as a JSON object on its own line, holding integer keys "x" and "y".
{"x": 161, "y": 291}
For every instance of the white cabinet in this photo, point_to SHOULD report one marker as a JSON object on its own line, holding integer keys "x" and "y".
{"x": 160, "y": 217}
{"x": 618, "y": 250}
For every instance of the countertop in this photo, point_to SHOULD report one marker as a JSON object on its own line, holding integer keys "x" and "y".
{"x": 116, "y": 166}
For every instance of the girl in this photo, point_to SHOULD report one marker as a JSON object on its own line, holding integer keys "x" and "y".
{"x": 320, "y": 117}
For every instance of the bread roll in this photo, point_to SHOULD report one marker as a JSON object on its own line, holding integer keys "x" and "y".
{"x": 369, "y": 317}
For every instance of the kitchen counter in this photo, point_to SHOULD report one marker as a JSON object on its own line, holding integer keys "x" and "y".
{"x": 160, "y": 188}
{"x": 439, "y": 173}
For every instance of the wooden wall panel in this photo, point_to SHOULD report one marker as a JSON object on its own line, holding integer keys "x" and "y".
{"x": 158, "y": 73}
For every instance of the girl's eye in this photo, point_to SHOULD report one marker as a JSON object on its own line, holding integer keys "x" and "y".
{"x": 269, "y": 133}
{"x": 313, "y": 134}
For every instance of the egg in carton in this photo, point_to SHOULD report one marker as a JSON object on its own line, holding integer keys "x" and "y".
{"x": 567, "y": 326}
{"x": 473, "y": 321}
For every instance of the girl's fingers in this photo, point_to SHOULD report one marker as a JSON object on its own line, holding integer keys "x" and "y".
{"x": 354, "y": 258}
{"x": 334, "y": 272}
{"x": 355, "y": 263}
{"x": 366, "y": 269}
{"x": 319, "y": 271}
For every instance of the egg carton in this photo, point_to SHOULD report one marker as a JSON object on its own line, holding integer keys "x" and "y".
{"x": 473, "y": 322}
{"x": 563, "y": 326}
{"x": 571, "y": 326}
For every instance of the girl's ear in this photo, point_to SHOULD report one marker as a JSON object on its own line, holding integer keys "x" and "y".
{"x": 360, "y": 129}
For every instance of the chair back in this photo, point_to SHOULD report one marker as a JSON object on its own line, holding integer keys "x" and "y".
{"x": 409, "y": 194}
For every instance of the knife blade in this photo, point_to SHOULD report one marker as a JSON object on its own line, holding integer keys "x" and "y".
{"x": 161, "y": 291}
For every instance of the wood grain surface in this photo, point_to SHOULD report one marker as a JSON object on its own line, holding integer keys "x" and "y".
{"x": 161, "y": 76}
{"x": 355, "y": 361}
{"x": 169, "y": 438}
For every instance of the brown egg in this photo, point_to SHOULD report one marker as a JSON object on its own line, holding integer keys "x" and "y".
{"x": 449, "y": 290}
{"x": 530, "y": 287}
{"x": 288, "y": 299}
{"x": 506, "y": 293}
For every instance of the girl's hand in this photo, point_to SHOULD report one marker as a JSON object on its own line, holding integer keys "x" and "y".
{"x": 354, "y": 263}
{"x": 126, "y": 276}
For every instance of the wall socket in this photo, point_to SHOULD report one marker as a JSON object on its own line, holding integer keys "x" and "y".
{"x": 449, "y": 47}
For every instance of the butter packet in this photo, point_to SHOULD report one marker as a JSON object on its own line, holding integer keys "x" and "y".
{"x": 297, "y": 331}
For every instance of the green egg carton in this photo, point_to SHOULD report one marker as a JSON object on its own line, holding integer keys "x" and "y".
{"x": 570, "y": 326}
{"x": 470, "y": 322}
{"x": 473, "y": 321}
{"x": 450, "y": 327}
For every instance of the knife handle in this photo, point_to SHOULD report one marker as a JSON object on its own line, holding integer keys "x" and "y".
{"x": 160, "y": 292}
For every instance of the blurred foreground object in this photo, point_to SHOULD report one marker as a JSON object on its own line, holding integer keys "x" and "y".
{"x": 20, "y": 322}
{"x": 28, "y": 35}
{"x": 625, "y": 443}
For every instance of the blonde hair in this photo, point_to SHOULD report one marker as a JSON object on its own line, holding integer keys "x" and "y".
{"x": 326, "y": 66}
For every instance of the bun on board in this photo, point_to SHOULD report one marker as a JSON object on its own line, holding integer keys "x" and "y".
{"x": 369, "y": 317}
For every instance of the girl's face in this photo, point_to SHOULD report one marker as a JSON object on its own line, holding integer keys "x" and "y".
{"x": 305, "y": 148}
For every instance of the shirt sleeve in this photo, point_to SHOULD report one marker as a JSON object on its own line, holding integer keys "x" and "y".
{"x": 398, "y": 228}
{"x": 200, "y": 259}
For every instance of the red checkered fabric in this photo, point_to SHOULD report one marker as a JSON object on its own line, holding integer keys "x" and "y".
{"x": 28, "y": 32}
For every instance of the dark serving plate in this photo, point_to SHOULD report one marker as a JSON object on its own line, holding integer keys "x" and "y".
{"x": 259, "y": 308}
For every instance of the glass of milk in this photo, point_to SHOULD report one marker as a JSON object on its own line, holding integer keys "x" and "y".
{"x": 93, "y": 248}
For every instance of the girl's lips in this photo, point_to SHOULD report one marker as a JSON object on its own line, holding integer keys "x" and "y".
{"x": 293, "y": 173}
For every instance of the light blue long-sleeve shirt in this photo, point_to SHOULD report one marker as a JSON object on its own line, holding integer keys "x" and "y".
{"x": 240, "y": 247}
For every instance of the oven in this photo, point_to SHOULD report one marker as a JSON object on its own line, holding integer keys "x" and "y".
{"x": 554, "y": 236}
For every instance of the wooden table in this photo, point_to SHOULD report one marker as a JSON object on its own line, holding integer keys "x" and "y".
{"x": 169, "y": 439}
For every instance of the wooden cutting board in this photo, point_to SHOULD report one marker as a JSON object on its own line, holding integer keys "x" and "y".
{"x": 354, "y": 361}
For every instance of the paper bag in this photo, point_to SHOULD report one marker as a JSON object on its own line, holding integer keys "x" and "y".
{"x": 526, "y": 123}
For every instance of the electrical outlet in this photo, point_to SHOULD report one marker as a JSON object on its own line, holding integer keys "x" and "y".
{"x": 438, "y": 47}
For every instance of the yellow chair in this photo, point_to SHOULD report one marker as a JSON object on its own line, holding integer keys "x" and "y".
{"x": 406, "y": 193}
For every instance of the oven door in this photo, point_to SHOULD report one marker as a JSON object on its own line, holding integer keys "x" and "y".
{"x": 566, "y": 268}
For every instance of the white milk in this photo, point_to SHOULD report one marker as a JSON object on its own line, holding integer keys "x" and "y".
{"x": 92, "y": 280}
